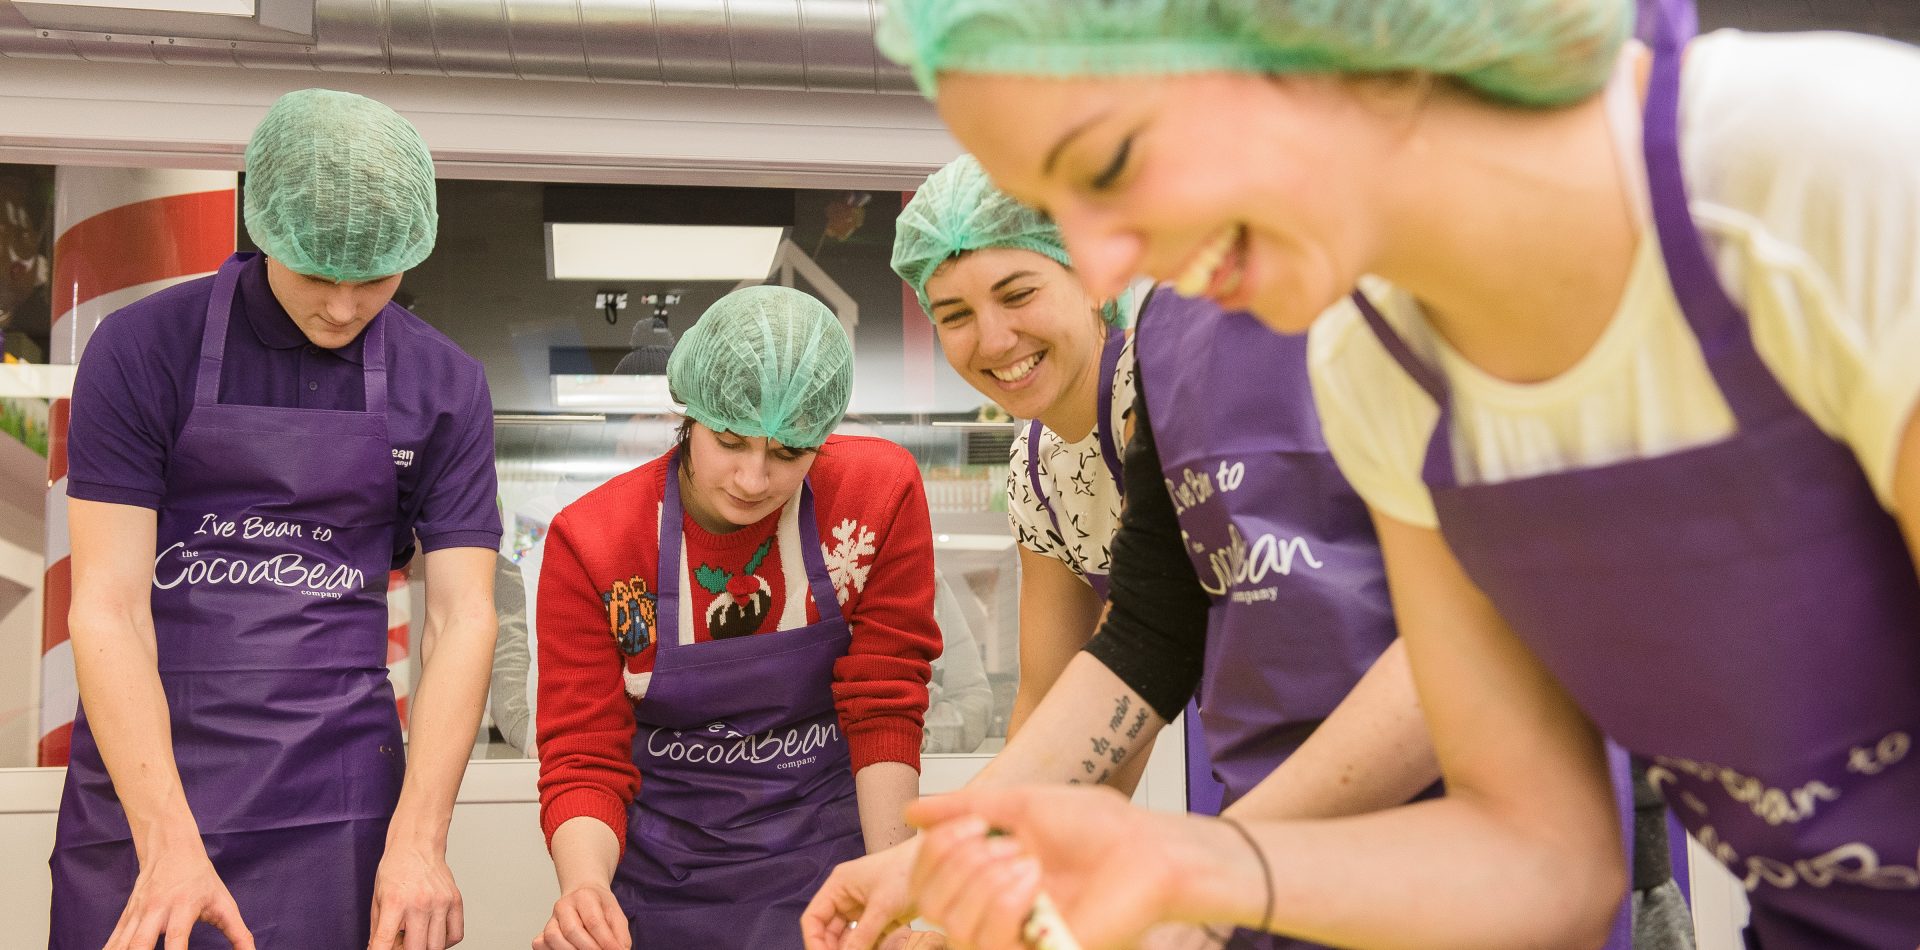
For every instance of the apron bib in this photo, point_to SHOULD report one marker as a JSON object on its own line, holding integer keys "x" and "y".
{"x": 274, "y": 539}
{"x": 747, "y": 795}
{"x": 1281, "y": 543}
{"x": 1745, "y": 617}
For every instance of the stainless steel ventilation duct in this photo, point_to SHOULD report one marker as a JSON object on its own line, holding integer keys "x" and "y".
{"x": 818, "y": 45}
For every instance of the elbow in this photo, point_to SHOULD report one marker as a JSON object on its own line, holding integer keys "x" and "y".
{"x": 1584, "y": 899}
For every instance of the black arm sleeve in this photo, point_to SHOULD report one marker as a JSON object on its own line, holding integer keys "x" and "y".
{"x": 1154, "y": 636}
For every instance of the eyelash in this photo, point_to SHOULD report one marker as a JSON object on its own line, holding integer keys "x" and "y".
{"x": 1111, "y": 173}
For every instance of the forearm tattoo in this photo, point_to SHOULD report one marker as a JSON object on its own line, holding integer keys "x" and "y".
{"x": 1107, "y": 752}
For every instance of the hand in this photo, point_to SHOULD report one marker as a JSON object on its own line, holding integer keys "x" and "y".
{"x": 1106, "y": 864}
{"x": 586, "y": 918}
{"x": 869, "y": 891}
{"x": 915, "y": 940}
{"x": 1185, "y": 936}
{"x": 415, "y": 903}
{"x": 177, "y": 886}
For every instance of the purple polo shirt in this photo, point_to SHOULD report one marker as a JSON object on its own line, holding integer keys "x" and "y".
{"x": 135, "y": 386}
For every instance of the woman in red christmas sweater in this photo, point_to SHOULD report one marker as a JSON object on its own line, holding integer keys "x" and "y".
{"x": 735, "y": 642}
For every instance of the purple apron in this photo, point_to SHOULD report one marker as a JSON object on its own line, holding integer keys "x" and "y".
{"x": 274, "y": 539}
{"x": 1279, "y": 540}
{"x": 746, "y": 786}
{"x": 1109, "y": 450}
{"x": 1744, "y": 614}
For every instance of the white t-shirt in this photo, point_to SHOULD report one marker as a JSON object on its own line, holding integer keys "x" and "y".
{"x": 1075, "y": 479}
{"x": 1802, "y": 153}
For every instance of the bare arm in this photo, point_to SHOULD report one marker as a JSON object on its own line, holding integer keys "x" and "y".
{"x": 1529, "y": 816}
{"x": 1372, "y": 753}
{"x": 884, "y": 790}
{"x": 1058, "y": 614}
{"x": 117, "y": 662}
{"x": 414, "y": 890}
{"x": 1088, "y": 726}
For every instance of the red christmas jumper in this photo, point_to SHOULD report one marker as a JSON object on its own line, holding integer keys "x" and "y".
{"x": 597, "y": 620}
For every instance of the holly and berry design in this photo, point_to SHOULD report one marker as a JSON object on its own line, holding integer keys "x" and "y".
{"x": 741, "y": 600}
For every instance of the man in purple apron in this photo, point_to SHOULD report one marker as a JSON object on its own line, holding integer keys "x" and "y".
{"x": 1748, "y": 612}
{"x": 248, "y": 465}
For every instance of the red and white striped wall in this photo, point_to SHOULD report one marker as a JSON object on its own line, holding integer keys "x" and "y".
{"x": 119, "y": 235}
{"x": 399, "y": 631}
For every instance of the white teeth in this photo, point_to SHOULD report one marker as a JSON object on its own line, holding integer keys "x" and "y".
{"x": 1194, "y": 281}
{"x": 1018, "y": 371}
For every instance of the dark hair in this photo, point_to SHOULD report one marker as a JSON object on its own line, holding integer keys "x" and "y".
{"x": 684, "y": 431}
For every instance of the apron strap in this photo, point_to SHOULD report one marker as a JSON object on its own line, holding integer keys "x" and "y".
{"x": 672, "y": 539}
{"x": 1752, "y": 393}
{"x": 667, "y": 572}
{"x": 1110, "y": 440}
{"x": 373, "y": 360}
{"x": 213, "y": 336}
{"x": 1437, "y": 471}
{"x": 826, "y": 599}
{"x": 1034, "y": 429}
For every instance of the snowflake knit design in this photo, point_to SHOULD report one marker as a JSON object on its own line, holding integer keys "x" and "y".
{"x": 853, "y": 541}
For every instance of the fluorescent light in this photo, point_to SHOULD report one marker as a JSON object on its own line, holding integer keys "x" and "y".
{"x": 240, "y": 8}
{"x": 660, "y": 252}
{"x": 612, "y": 393}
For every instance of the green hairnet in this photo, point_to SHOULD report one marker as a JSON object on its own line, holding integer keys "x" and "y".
{"x": 959, "y": 209}
{"x": 765, "y": 361}
{"x": 1529, "y": 52}
{"x": 339, "y": 186}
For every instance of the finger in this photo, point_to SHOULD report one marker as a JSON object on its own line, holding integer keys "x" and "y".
{"x": 994, "y": 910}
{"x": 569, "y": 922}
{"x": 599, "y": 924}
{"x": 937, "y": 809}
{"x": 823, "y": 912}
{"x": 117, "y": 940}
{"x": 225, "y": 915}
{"x": 386, "y": 926}
{"x": 961, "y": 870}
{"x": 1010, "y": 902}
{"x": 457, "y": 921}
{"x": 437, "y": 928}
{"x": 414, "y": 930}
{"x": 146, "y": 929}
{"x": 552, "y": 939}
{"x": 873, "y": 927}
{"x": 179, "y": 928}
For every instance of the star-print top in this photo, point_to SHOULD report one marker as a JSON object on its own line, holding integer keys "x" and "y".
{"x": 599, "y": 627}
{"x": 1077, "y": 485}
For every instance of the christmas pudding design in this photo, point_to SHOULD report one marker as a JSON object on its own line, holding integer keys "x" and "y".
{"x": 741, "y": 600}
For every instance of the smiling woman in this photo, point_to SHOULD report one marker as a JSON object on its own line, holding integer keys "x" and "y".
{"x": 1016, "y": 323}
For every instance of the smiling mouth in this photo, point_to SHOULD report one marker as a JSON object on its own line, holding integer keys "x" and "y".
{"x": 1018, "y": 371}
{"x": 1218, "y": 268}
